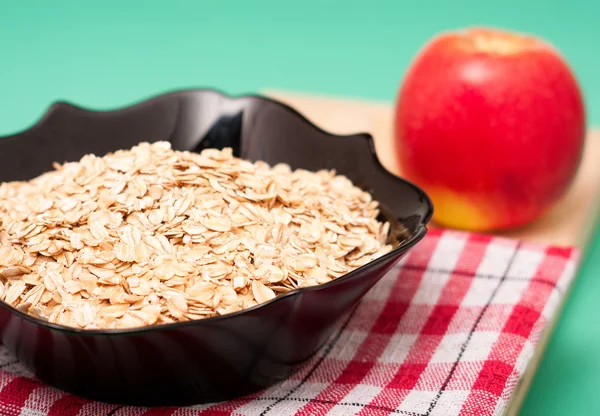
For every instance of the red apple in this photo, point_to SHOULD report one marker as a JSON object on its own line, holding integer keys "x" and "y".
{"x": 491, "y": 124}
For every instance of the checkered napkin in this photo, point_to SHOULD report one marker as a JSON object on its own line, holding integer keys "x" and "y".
{"x": 448, "y": 331}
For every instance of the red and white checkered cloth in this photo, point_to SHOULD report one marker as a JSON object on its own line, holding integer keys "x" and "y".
{"x": 448, "y": 331}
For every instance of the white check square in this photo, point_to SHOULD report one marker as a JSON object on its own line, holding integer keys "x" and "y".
{"x": 398, "y": 348}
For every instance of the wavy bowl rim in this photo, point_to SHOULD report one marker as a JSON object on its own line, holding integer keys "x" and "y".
{"x": 404, "y": 246}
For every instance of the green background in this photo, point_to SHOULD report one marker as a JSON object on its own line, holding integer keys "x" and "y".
{"x": 111, "y": 53}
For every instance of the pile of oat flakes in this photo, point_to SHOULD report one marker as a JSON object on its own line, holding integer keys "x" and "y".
{"x": 152, "y": 235}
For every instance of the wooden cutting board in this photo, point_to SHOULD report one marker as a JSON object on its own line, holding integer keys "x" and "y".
{"x": 569, "y": 223}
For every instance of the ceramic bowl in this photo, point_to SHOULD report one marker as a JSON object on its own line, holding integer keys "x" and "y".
{"x": 221, "y": 357}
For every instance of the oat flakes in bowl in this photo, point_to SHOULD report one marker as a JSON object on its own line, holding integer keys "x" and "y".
{"x": 151, "y": 235}
{"x": 196, "y": 360}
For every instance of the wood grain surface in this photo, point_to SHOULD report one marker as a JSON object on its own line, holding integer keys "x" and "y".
{"x": 568, "y": 223}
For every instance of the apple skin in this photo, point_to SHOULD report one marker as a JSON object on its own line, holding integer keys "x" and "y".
{"x": 491, "y": 124}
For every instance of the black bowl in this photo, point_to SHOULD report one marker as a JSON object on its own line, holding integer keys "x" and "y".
{"x": 216, "y": 358}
